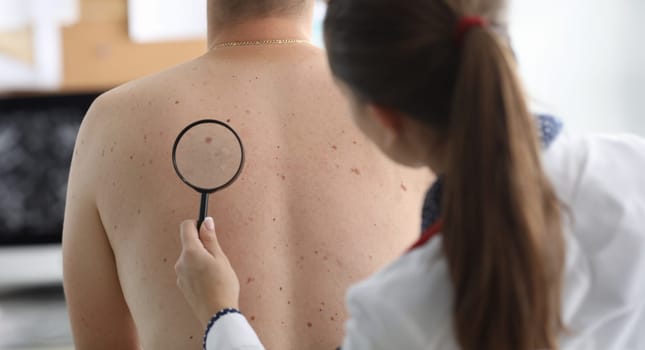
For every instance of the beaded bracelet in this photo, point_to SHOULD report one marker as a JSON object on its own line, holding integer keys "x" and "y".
{"x": 216, "y": 317}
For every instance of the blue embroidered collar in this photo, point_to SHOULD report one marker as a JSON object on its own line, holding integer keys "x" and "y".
{"x": 549, "y": 129}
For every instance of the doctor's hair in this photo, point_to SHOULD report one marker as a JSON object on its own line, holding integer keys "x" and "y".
{"x": 239, "y": 10}
{"x": 502, "y": 235}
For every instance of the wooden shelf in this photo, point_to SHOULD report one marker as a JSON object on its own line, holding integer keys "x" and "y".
{"x": 98, "y": 54}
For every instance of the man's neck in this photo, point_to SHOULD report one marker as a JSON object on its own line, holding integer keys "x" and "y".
{"x": 260, "y": 29}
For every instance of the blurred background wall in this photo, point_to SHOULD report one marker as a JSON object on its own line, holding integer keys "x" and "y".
{"x": 584, "y": 60}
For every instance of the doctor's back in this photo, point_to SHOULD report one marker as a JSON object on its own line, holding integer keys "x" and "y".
{"x": 599, "y": 180}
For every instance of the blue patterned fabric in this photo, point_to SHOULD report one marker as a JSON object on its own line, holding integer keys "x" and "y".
{"x": 549, "y": 128}
{"x": 432, "y": 205}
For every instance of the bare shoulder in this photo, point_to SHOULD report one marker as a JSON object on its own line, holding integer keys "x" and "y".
{"x": 118, "y": 114}
{"x": 140, "y": 94}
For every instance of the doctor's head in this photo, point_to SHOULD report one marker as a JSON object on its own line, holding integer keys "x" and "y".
{"x": 433, "y": 83}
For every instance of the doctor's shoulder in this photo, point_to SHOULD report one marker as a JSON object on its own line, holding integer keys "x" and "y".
{"x": 406, "y": 305}
{"x": 600, "y": 180}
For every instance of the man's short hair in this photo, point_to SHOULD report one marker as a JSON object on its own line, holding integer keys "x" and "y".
{"x": 243, "y": 9}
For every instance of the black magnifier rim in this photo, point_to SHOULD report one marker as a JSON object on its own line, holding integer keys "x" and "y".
{"x": 174, "y": 157}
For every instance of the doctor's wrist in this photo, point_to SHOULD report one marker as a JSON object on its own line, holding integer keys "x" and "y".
{"x": 214, "y": 318}
{"x": 209, "y": 312}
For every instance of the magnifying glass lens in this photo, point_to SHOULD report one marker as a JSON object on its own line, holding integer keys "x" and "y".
{"x": 208, "y": 156}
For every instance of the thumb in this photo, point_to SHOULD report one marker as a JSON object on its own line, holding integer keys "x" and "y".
{"x": 188, "y": 234}
{"x": 208, "y": 237}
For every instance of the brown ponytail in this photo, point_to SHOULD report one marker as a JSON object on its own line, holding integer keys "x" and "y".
{"x": 502, "y": 233}
{"x": 502, "y": 226}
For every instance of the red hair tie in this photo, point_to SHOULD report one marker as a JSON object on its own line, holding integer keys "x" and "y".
{"x": 465, "y": 24}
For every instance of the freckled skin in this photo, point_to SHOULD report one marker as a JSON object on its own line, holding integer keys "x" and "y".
{"x": 298, "y": 225}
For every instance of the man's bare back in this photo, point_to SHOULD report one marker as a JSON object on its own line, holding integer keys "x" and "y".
{"x": 313, "y": 211}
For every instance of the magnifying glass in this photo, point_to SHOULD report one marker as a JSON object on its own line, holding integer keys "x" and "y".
{"x": 208, "y": 156}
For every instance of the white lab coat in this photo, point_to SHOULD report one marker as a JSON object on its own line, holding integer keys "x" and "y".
{"x": 601, "y": 179}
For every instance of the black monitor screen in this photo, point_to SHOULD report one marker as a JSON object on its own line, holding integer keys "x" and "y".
{"x": 37, "y": 136}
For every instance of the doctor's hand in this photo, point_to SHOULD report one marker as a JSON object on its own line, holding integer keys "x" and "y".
{"x": 204, "y": 274}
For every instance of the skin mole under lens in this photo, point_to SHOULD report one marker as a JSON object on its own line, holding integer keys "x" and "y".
{"x": 208, "y": 140}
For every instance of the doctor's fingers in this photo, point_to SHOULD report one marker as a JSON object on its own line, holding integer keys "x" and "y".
{"x": 193, "y": 254}
{"x": 189, "y": 236}
{"x": 208, "y": 237}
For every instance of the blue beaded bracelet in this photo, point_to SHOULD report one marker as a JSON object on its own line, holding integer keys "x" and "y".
{"x": 216, "y": 317}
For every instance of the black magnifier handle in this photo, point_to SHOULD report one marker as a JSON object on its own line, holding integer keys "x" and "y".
{"x": 203, "y": 209}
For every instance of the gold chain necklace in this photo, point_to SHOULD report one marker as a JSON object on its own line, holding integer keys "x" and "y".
{"x": 261, "y": 42}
